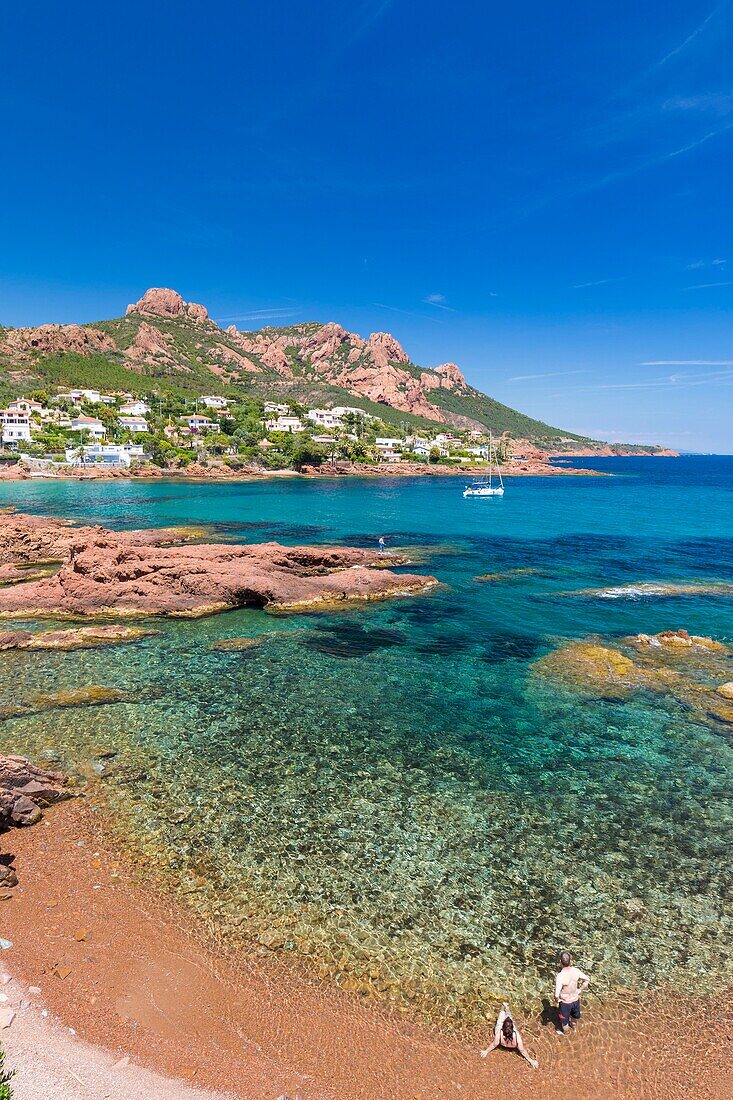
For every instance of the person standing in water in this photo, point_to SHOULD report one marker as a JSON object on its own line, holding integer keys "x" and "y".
{"x": 381, "y": 545}
{"x": 506, "y": 1035}
{"x": 570, "y": 982}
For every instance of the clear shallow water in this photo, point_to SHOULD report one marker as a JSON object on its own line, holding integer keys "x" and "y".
{"x": 391, "y": 791}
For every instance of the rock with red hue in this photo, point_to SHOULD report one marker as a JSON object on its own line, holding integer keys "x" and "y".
{"x": 325, "y": 343}
{"x": 163, "y": 302}
{"x": 25, "y": 790}
{"x": 149, "y": 346}
{"x": 384, "y": 349}
{"x": 451, "y": 376}
{"x": 109, "y": 574}
{"x": 26, "y": 538}
{"x": 55, "y": 340}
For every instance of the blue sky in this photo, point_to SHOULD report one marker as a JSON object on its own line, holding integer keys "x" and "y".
{"x": 541, "y": 193}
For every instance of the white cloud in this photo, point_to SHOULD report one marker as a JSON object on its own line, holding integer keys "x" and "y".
{"x": 438, "y": 300}
{"x": 596, "y": 282}
{"x": 706, "y": 286}
{"x": 548, "y": 374}
{"x": 687, "y": 363}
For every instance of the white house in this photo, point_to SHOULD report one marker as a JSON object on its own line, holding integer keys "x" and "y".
{"x": 26, "y": 406}
{"x": 273, "y": 407}
{"x": 89, "y": 424}
{"x": 215, "y": 402}
{"x": 285, "y": 424}
{"x": 15, "y": 426}
{"x": 133, "y": 423}
{"x": 389, "y": 449}
{"x": 340, "y": 410}
{"x": 200, "y": 423}
{"x": 134, "y": 408}
{"x": 423, "y": 447}
{"x": 113, "y": 454}
{"x": 324, "y": 418}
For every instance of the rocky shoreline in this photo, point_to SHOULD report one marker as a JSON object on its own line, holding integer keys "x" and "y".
{"x": 220, "y": 471}
{"x": 127, "y": 574}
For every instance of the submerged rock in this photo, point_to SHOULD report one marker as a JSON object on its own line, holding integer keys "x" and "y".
{"x": 672, "y": 663}
{"x": 83, "y": 637}
{"x": 657, "y": 590}
{"x": 77, "y": 697}
{"x": 234, "y": 644}
{"x": 508, "y": 575}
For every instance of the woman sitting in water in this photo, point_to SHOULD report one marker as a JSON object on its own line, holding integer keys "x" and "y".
{"x": 507, "y": 1035}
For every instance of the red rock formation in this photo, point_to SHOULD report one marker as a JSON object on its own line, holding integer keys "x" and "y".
{"x": 26, "y": 538}
{"x": 110, "y": 574}
{"x": 325, "y": 343}
{"x": 55, "y": 340}
{"x": 150, "y": 346}
{"x": 163, "y": 302}
{"x": 24, "y": 790}
{"x": 451, "y": 376}
{"x": 384, "y": 349}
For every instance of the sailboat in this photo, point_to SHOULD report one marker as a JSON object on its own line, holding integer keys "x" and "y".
{"x": 485, "y": 486}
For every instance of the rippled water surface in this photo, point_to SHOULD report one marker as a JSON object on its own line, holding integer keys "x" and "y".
{"x": 392, "y": 791}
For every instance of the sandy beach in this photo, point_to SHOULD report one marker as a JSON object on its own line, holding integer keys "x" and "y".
{"x": 127, "y": 971}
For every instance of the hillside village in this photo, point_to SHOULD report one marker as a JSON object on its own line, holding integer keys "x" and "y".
{"x": 82, "y": 427}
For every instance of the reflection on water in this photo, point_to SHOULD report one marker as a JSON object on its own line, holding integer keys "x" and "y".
{"x": 386, "y": 791}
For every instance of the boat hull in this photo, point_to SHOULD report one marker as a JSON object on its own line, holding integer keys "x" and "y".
{"x": 483, "y": 492}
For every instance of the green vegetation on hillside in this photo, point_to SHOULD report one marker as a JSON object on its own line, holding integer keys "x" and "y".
{"x": 500, "y": 418}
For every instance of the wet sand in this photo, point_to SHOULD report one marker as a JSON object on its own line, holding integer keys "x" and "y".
{"x": 125, "y": 969}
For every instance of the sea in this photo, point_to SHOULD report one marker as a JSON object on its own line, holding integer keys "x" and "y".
{"x": 396, "y": 795}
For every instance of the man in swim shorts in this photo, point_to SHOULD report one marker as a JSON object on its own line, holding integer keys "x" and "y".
{"x": 569, "y": 984}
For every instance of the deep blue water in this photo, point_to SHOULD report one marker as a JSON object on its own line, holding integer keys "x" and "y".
{"x": 395, "y": 784}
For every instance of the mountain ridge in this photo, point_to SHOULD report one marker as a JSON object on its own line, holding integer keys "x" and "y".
{"x": 166, "y": 341}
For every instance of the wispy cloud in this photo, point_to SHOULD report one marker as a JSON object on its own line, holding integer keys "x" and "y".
{"x": 713, "y": 103}
{"x": 687, "y": 363}
{"x": 594, "y": 282}
{"x": 678, "y": 381}
{"x": 548, "y": 374}
{"x": 407, "y": 312}
{"x": 698, "y": 30}
{"x": 706, "y": 263}
{"x": 258, "y": 315}
{"x": 706, "y": 286}
{"x": 438, "y": 300}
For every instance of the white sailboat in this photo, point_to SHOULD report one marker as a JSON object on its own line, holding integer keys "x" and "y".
{"x": 485, "y": 486}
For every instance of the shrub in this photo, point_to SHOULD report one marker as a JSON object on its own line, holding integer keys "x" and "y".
{"x": 5, "y": 1077}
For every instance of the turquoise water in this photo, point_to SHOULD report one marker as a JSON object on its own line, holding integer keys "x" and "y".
{"x": 392, "y": 791}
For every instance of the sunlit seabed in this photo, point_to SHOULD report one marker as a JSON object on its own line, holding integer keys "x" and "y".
{"x": 390, "y": 791}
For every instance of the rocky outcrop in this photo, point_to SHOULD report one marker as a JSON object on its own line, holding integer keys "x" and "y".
{"x": 25, "y": 538}
{"x": 21, "y": 343}
{"x": 451, "y": 377}
{"x": 110, "y": 574}
{"x": 163, "y": 302}
{"x": 150, "y": 346}
{"x": 26, "y": 790}
{"x": 384, "y": 349}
